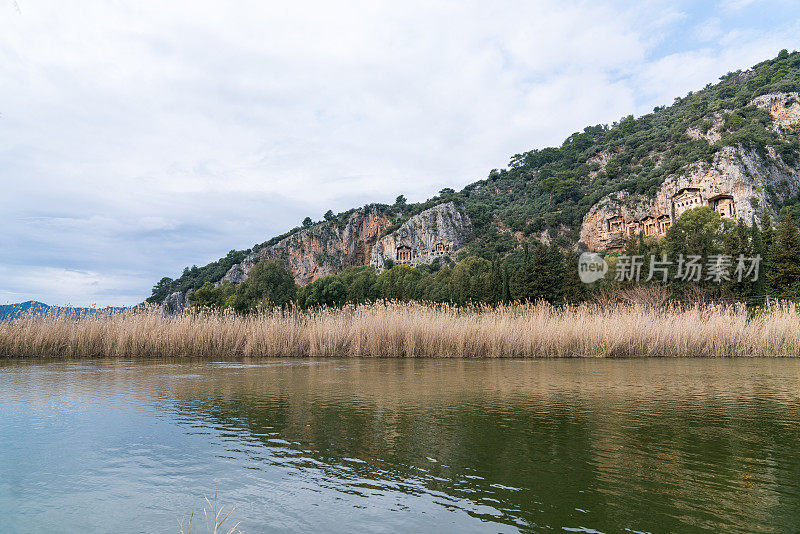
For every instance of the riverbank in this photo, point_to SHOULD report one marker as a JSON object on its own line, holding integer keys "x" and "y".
{"x": 415, "y": 330}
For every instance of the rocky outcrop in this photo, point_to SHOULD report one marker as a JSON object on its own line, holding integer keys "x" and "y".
{"x": 437, "y": 231}
{"x": 734, "y": 184}
{"x": 176, "y": 301}
{"x": 323, "y": 249}
{"x": 784, "y": 108}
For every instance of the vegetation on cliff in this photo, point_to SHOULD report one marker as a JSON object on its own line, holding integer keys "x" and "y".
{"x": 545, "y": 273}
{"x": 551, "y": 189}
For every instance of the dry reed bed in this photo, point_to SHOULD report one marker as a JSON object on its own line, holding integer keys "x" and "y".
{"x": 415, "y": 330}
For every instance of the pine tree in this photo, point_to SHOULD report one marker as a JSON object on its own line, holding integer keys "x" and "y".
{"x": 523, "y": 278}
{"x": 506, "y": 298}
{"x": 736, "y": 243}
{"x": 757, "y": 249}
{"x": 785, "y": 259}
{"x": 767, "y": 237}
{"x": 573, "y": 290}
{"x": 496, "y": 284}
{"x": 554, "y": 275}
{"x": 540, "y": 275}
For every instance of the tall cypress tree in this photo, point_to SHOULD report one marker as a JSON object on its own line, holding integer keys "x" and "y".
{"x": 736, "y": 244}
{"x": 554, "y": 274}
{"x": 573, "y": 290}
{"x": 524, "y": 289}
{"x": 785, "y": 259}
{"x": 767, "y": 237}
{"x": 506, "y": 285}
{"x": 495, "y": 284}
{"x": 540, "y": 275}
{"x": 757, "y": 251}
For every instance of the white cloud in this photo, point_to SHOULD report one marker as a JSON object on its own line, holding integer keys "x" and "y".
{"x": 142, "y": 137}
{"x": 736, "y": 5}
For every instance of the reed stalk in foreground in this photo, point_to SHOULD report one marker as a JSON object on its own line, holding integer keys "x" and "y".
{"x": 214, "y": 518}
{"x": 415, "y": 330}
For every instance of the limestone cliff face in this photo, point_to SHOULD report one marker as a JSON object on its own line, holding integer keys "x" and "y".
{"x": 734, "y": 184}
{"x": 784, "y": 108}
{"x": 323, "y": 249}
{"x": 437, "y": 231}
{"x": 176, "y": 301}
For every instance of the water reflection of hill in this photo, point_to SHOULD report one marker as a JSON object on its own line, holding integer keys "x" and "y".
{"x": 649, "y": 445}
{"x": 652, "y": 446}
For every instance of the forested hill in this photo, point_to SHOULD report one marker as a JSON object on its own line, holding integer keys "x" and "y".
{"x": 544, "y": 194}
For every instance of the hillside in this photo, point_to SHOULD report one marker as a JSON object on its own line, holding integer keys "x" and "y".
{"x": 732, "y": 146}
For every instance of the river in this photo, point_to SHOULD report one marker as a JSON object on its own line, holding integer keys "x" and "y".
{"x": 393, "y": 445}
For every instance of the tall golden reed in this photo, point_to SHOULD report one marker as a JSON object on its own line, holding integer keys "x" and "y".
{"x": 415, "y": 330}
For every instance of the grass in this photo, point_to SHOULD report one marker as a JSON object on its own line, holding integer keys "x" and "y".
{"x": 416, "y": 330}
{"x": 214, "y": 518}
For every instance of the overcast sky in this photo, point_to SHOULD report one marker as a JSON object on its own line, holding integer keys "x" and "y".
{"x": 140, "y": 137}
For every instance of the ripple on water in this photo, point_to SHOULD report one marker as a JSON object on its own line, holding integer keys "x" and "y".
{"x": 388, "y": 445}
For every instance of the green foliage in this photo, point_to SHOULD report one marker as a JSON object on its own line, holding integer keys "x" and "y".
{"x": 784, "y": 276}
{"x": 539, "y": 276}
{"x": 327, "y": 291}
{"x": 574, "y": 291}
{"x": 212, "y": 297}
{"x": 471, "y": 282}
{"x": 553, "y": 188}
{"x": 195, "y": 277}
{"x": 268, "y": 284}
{"x": 161, "y": 289}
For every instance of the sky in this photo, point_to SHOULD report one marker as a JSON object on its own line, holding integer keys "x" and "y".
{"x": 140, "y": 137}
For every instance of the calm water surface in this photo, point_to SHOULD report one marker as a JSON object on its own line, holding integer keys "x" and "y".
{"x": 403, "y": 445}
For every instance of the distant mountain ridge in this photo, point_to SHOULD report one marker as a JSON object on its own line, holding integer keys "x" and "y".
{"x": 734, "y": 145}
{"x": 34, "y": 308}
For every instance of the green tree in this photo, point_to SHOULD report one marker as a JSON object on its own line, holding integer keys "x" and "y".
{"x": 553, "y": 275}
{"x": 307, "y": 222}
{"x": 471, "y": 281}
{"x": 161, "y": 290}
{"x": 574, "y": 291}
{"x": 268, "y": 283}
{"x": 496, "y": 284}
{"x": 325, "y": 291}
{"x": 785, "y": 259}
{"x": 506, "y": 297}
{"x": 329, "y": 216}
{"x": 522, "y": 281}
{"x": 697, "y": 232}
{"x": 209, "y": 296}
{"x": 757, "y": 248}
{"x": 736, "y": 244}
{"x": 767, "y": 238}
{"x": 361, "y": 284}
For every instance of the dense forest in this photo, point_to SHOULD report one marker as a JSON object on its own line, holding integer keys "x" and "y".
{"x": 546, "y": 273}
{"x": 551, "y": 190}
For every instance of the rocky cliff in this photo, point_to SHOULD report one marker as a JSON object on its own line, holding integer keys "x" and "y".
{"x": 323, "y": 249}
{"x": 735, "y": 183}
{"x": 357, "y": 239}
{"x": 437, "y": 231}
{"x": 733, "y": 146}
